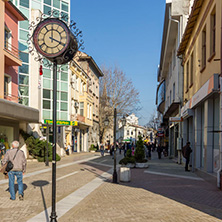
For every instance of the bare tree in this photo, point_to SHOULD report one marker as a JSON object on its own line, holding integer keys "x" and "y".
{"x": 116, "y": 91}
{"x": 152, "y": 124}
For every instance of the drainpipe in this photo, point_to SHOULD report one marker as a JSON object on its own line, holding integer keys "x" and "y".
{"x": 179, "y": 144}
{"x": 219, "y": 174}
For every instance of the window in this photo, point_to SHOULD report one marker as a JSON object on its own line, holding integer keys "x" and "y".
{"x": 48, "y": 2}
{"x": 46, "y": 10}
{"x": 46, "y": 104}
{"x": 65, "y": 6}
{"x": 7, "y": 38}
{"x": 204, "y": 48}
{"x": 64, "y": 96}
{"x": 7, "y": 85}
{"x": 170, "y": 97}
{"x": 56, "y": 3}
{"x": 212, "y": 32}
{"x": 81, "y": 108}
{"x": 127, "y": 132}
{"x": 187, "y": 80}
{"x": 173, "y": 92}
{"x": 24, "y": 3}
{"x": 191, "y": 70}
{"x": 46, "y": 94}
{"x": 174, "y": 57}
{"x": 132, "y": 133}
{"x": 88, "y": 110}
{"x": 64, "y": 106}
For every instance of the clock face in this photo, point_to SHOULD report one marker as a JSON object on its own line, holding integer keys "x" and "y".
{"x": 51, "y": 37}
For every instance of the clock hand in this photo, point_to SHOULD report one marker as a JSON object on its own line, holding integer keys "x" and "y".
{"x": 57, "y": 41}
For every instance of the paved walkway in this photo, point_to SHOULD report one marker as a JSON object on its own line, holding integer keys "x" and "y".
{"x": 162, "y": 192}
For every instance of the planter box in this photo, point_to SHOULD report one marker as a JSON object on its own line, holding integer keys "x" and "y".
{"x": 125, "y": 174}
{"x": 130, "y": 165}
{"x": 142, "y": 165}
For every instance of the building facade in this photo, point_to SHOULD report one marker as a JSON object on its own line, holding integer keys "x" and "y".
{"x": 201, "y": 51}
{"x": 13, "y": 116}
{"x": 170, "y": 76}
{"x": 88, "y": 64}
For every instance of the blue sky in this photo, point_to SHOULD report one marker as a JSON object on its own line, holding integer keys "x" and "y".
{"x": 127, "y": 34}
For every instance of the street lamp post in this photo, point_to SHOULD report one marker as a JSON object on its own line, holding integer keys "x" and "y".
{"x": 106, "y": 122}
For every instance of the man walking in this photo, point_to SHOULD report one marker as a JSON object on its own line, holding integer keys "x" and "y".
{"x": 18, "y": 159}
{"x": 186, "y": 153}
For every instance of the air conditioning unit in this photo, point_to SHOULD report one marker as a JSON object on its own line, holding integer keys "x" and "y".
{"x": 76, "y": 104}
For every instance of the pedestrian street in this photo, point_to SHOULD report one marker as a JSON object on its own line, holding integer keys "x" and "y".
{"x": 85, "y": 193}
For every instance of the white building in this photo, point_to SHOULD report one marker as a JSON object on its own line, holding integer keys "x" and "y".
{"x": 35, "y": 90}
{"x": 131, "y": 131}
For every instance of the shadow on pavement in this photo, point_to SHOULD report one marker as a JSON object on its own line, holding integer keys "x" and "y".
{"x": 197, "y": 194}
{"x": 41, "y": 183}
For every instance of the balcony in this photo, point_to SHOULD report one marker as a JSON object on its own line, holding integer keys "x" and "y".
{"x": 12, "y": 55}
{"x": 11, "y": 97}
{"x": 80, "y": 118}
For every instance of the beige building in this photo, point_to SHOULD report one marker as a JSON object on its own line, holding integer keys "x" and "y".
{"x": 200, "y": 49}
{"x": 81, "y": 106}
{"x": 88, "y": 64}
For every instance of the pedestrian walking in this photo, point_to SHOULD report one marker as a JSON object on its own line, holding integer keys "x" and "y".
{"x": 18, "y": 159}
{"x": 159, "y": 150}
{"x": 125, "y": 149}
{"x": 102, "y": 148}
{"x": 186, "y": 151}
{"x": 149, "y": 147}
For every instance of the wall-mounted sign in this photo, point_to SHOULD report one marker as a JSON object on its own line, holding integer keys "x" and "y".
{"x": 61, "y": 122}
{"x": 175, "y": 119}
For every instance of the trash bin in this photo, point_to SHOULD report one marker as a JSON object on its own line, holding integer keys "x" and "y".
{"x": 125, "y": 174}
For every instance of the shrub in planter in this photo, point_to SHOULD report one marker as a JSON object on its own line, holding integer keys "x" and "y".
{"x": 140, "y": 151}
{"x": 127, "y": 160}
{"x": 37, "y": 148}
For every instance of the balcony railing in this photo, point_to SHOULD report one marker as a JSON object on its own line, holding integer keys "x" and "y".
{"x": 12, "y": 49}
{"x": 12, "y": 98}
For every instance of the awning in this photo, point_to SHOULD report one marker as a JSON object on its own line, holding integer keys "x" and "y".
{"x": 18, "y": 112}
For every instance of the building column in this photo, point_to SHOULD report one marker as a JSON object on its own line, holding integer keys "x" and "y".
{"x": 197, "y": 134}
{"x": 78, "y": 141}
{"x": 2, "y": 56}
{"x": 208, "y": 137}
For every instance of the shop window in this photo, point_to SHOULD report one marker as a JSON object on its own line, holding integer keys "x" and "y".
{"x": 7, "y": 85}
{"x": 24, "y": 90}
{"x": 64, "y": 106}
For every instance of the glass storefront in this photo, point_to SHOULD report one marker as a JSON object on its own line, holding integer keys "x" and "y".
{"x": 6, "y": 138}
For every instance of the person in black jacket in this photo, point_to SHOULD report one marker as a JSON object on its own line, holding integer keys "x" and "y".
{"x": 159, "y": 151}
{"x": 187, "y": 152}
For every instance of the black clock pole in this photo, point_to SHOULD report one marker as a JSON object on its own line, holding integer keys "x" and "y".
{"x": 53, "y": 213}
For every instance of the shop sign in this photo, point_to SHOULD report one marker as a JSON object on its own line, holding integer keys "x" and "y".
{"x": 160, "y": 133}
{"x": 62, "y": 122}
{"x": 176, "y": 119}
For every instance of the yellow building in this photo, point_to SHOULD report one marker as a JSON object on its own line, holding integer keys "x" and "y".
{"x": 81, "y": 108}
{"x": 200, "y": 49}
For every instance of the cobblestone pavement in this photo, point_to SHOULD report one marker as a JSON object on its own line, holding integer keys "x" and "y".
{"x": 152, "y": 195}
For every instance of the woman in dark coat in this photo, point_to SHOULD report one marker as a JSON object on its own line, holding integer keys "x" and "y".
{"x": 159, "y": 151}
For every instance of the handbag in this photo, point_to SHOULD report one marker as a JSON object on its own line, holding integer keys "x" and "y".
{"x": 9, "y": 165}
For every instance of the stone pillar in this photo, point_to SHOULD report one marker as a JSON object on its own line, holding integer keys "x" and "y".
{"x": 208, "y": 137}
{"x": 78, "y": 141}
{"x": 197, "y": 133}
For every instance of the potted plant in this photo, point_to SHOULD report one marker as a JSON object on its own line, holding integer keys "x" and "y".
{"x": 141, "y": 162}
{"x": 129, "y": 160}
